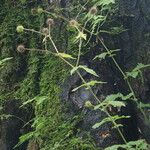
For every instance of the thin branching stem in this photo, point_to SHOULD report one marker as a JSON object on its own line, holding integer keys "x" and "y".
{"x": 125, "y": 78}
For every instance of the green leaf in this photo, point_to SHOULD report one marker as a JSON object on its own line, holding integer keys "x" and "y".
{"x": 81, "y": 35}
{"x": 112, "y": 100}
{"x": 64, "y": 55}
{"x": 113, "y": 97}
{"x": 5, "y": 116}
{"x": 127, "y": 96}
{"x": 133, "y": 74}
{"x": 5, "y": 60}
{"x": 109, "y": 119}
{"x": 139, "y": 144}
{"x": 37, "y": 99}
{"x": 116, "y": 103}
{"x": 101, "y": 56}
{"x": 137, "y": 70}
{"x": 24, "y": 138}
{"x": 91, "y": 83}
{"x": 27, "y": 102}
{"x": 88, "y": 70}
{"x": 142, "y": 105}
{"x": 104, "y": 2}
{"x": 40, "y": 99}
{"x": 114, "y": 30}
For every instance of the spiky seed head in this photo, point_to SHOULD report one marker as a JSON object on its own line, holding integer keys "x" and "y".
{"x": 40, "y": 10}
{"x": 50, "y": 21}
{"x": 88, "y": 104}
{"x": 93, "y": 10}
{"x": 45, "y": 31}
{"x": 20, "y": 29}
{"x": 73, "y": 23}
{"x": 33, "y": 11}
{"x": 21, "y": 48}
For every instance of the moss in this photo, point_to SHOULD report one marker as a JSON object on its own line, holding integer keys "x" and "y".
{"x": 32, "y": 74}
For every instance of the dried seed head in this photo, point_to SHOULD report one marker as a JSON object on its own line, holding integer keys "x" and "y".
{"x": 93, "y": 10}
{"x": 50, "y": 22}
{"x": 45, "y": 31}
{"x": 40, "y": 10}
{"x": 33, "y": 11}
{"x": 88, "y": 104}
{"x": 21, "y": 48}
{"x": 20, "y": 29}
{"x": 73, "y": 23}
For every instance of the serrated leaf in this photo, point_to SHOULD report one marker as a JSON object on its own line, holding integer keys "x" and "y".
{"x": 101, "y": 56}
{"x": 139, "y": 144}
{"x": 111, "y": 100}
{"x": 116, "y": 103}
{"x": 91, "y": 83}
{"x": 132, "y": 74}
{"x": 109, "y": 119}
{"x": 64, "y": 55}
{"x": 113, "y": 97}
{"x": 137, "y": 70}
{"x": 88, "y": 70}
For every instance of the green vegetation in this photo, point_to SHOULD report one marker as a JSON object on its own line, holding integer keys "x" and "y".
{"x": 39, "y": 83}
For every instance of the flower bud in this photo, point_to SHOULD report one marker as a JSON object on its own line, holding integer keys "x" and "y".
{"x": 88, "y": 104}
{"x": 50, "y": 22}
{"x": 40, "y": 10}
{"x": 21, "y": 48}
{"x": 73, "y": 23}
{"x": 20, "y": 29}
{"x": 33, "y": 11}
{"x": 93, "y": 10}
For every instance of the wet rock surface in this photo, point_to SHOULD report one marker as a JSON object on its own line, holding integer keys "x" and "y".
{"x": 134, "y": 15}
{"x": 10, "y": 129}
{"x": 75, "y": 101}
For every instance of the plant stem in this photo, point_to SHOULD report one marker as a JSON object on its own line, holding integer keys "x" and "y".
{"x": 125, "y": 78}
{"x": 83, "y": 80}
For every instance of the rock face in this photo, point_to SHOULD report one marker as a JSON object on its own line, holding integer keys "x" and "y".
{"x": 134, "y": 15}
{"x": 10, "y": 129}
{"x": 104, "y": 135}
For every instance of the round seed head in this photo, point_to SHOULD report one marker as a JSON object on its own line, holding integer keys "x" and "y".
{"x": 21, "y": 48}
{"x": 40, "y": 10}
{"x": 88, "y": 104}
{"x": 45, "y": 31}
{"x": 93, "y": 10}
{"x": 20, "y": 29}
{"x": 50, "y": 21}
{"x": 73, "y": 23}
{"x": 33, "y": 11}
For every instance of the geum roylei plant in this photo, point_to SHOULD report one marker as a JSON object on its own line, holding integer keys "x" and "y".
{"x": 80, "y": 38}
